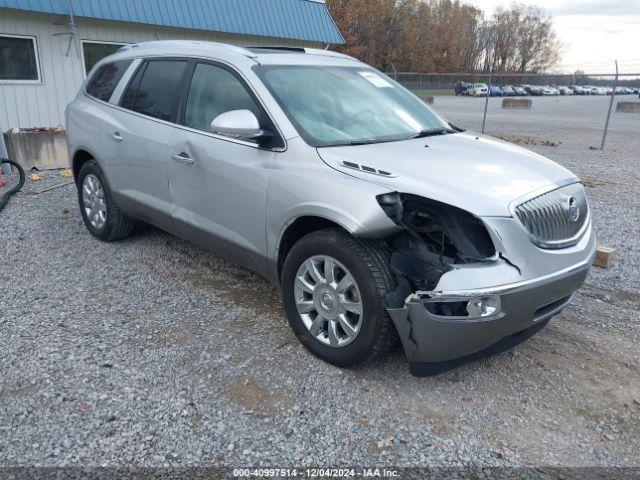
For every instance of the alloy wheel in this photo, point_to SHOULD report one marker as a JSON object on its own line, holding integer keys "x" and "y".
{"x": 328, "y": 301}
{"x": 93, "y": 200}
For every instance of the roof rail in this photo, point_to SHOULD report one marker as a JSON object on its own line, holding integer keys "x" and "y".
{"x": 186, "y": 43}
{"x": 329, "y": 53}
{"x": 282, "y": 49}
{"x": 310, "y": 51}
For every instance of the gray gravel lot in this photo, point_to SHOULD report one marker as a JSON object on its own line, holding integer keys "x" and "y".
{"x": 153, "y": 352}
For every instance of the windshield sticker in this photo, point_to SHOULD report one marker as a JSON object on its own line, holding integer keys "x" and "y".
{"x": 375, "y": 79}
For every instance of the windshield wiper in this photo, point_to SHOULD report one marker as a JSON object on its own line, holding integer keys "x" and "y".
{"x": 366, "y": 142}
{"x": 431, "y": 132}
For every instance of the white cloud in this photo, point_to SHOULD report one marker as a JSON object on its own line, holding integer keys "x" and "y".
{"x": 594, "y": 32}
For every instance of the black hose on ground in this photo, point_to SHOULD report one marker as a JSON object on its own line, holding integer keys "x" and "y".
{"x": 5, "y": 197}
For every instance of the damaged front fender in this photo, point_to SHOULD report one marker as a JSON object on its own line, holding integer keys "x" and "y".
{"x": 442, "y": 329}
{"x": 434, "y": 238}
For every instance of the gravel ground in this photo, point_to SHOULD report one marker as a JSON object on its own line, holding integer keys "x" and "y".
{"x": 154, "y": 352}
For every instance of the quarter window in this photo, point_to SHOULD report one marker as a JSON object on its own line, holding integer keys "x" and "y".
{"x": 215, "y": 90}
{"x": 154, "y": 89}
{"x": 18, "y": 59}
{"x": 105, "y": 80}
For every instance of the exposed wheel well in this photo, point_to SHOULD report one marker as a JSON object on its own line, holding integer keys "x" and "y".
{"x": 298, "y": 229}
{"x": 79, "y": 159}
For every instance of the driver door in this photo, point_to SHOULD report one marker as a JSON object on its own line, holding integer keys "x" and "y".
{"x": 217, "y": 184}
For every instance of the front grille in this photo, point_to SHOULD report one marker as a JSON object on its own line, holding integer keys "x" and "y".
{"x": 555, "y": 219}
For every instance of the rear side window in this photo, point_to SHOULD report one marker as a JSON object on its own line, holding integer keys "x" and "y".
{"x": 154, "y": 89}
{"x": 105, "y": 80}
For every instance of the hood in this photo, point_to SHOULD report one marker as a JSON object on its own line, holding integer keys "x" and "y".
{"x": 476, "y": 173}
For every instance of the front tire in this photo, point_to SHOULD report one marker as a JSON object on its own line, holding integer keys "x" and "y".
{"x": 333, "y": 289}
{"x": 101, "y": 216}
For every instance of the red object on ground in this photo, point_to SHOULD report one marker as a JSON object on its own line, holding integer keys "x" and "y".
{"x": 1, "y": 179}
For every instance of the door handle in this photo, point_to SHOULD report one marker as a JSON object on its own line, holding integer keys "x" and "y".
{"x": 182, "y": 158}
{"x": 116, "y": 137}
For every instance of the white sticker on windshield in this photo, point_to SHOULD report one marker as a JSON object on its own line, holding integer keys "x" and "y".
{"x": 376, "y": 79}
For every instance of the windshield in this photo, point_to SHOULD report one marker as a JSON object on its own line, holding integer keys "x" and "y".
{"x": 332, "y": 106}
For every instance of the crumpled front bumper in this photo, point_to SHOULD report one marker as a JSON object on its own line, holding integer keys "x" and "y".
{"x": 435, "y": 343}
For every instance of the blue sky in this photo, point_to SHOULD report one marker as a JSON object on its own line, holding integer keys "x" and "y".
{"x": 594, "y": 32}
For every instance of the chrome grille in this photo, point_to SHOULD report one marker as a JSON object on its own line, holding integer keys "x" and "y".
{"x": 555, "y": 219}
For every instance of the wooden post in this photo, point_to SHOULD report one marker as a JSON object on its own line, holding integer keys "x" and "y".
{"x": 604, "y": 257}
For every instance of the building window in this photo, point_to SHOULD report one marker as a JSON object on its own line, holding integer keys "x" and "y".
{"x": 93, "y": 52}
{"x": 18, "y": 59}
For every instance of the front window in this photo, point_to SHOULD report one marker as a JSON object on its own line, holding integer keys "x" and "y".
{"x": 215, "y": 90}
{"x": 347, "y": 105}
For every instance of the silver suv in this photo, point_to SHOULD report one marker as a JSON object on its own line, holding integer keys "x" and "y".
{"x": 379, "y": 219}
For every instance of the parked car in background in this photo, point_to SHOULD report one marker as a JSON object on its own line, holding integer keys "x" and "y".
{"x": 624, "y": 91}
{"x": 508, "y": 91}
{"x": 533, "y": 90}
{"x": 462, "y": 88}
{"x": 495, "y": 91}
{"x": 520, "y": 91}
{"x": 580, "y": 90}
{"x": 549, "y": 91}
{"x": 310, "y": 168}
{"x": 636, "y": 90}
{"x": 479, "y": 90}
{"x": 565, "y": 90}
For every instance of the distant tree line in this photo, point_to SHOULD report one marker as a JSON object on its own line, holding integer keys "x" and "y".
{"x": 445, "y": 36}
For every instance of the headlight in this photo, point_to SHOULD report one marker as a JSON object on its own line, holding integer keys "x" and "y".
{"x": 453, "y": 234}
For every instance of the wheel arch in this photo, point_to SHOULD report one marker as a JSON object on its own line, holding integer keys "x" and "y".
{"x": 298, "y": 228}
{"x": 81, "y": 156}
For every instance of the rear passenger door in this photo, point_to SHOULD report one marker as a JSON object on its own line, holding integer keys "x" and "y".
{"x": 136, "y": 139}
{"x": 85, "y": 119}
{"x": 218, "y": 184}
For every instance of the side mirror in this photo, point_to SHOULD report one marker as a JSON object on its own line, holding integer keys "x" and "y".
{"x": 241, "y": 124}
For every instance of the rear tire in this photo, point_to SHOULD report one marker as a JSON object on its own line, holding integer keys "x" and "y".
{"x": 101, "y": 216}
{"x": 368, "y": 264}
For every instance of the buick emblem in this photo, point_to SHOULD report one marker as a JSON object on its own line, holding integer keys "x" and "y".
{"x": 571, "y": 209}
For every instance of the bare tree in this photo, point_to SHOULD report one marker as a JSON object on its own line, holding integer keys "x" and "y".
{"x": 537, "y": 45}
{"x": 445, "y": 35}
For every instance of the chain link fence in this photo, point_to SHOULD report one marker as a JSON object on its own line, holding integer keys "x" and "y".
{"x": 593, "y": 102}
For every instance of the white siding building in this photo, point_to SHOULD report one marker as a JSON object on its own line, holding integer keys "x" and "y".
{"x": 47, "y": 47}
